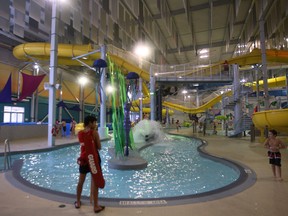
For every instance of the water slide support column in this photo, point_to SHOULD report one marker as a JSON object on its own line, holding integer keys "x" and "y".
{"x": 96, "y": 97}
{"x": 197, "y": 99}
{"x": 140, "y": 99}
{"x": 103, "y": 130}
{"x": 257, "y": 89}
{"x": 81, "y": 112}
{"x": 264, "y": 63}
{"x": 60, "y": 96}
{"x": 152, "y": 95}
{"x": 53, "y": 73}
{"x": 237, "y": 99}
{"x": 32, "y": 105}
{"x": 36, "y": 105}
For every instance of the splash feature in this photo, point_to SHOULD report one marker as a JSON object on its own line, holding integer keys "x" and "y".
{"x": 147, "y": 131}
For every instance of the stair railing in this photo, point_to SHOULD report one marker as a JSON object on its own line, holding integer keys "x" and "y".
{"x": 7, "y": 155}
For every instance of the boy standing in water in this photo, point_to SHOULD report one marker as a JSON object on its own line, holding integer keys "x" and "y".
{"x": 273, "y": 144}
{"x": 90, "y": 124}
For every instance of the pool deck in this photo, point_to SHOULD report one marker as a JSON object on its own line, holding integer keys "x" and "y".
{"x": 266, "y": 197}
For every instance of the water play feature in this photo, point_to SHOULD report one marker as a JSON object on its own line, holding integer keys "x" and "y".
{"x": 123, "y": 153}
{"x": 147, "y": 131}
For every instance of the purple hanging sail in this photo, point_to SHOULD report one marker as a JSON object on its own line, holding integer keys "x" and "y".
{"x": 30, "y": 84}
{"x": 5, "y": 94}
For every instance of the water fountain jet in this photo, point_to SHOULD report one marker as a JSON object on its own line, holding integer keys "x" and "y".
{"x": 145, "y": 133}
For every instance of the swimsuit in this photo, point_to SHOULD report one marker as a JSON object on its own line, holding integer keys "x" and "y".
{"x": 274, "y": 158}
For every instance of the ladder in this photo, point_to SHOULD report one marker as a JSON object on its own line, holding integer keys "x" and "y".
{"x": 7, "y": 155}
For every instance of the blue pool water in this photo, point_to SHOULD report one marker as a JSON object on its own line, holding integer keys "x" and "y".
{"x": 175, "y": 168}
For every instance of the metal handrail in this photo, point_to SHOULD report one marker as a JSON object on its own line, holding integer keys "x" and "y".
{"x": 7, "y": 155}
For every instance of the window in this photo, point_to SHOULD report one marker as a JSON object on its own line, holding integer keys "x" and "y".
{"x": 13, "y": 114}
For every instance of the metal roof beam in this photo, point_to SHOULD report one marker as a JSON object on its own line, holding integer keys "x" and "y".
{"x": 196, "y": 8}
{"x": 203, "y": 46}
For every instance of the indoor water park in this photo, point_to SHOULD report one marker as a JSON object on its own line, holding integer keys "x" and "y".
{"x": 185, "y": 97}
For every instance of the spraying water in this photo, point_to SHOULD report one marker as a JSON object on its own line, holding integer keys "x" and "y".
{"x": 147, "y": 131}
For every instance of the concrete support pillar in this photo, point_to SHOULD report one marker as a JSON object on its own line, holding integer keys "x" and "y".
{"x": 264, "y": 63}
{"x": 152, "y": 95}
{"x": 197, "y": 99}
{"x": 237, "y": 99}
{"x": 60, "y": 96}
{"x": 96, "y": 97}
{"x": 32, "y": 105}
{"x": 257, "y": 89}
{"x": 36, "y": 105}
{"x": 81, "y": 100}
{"x": 103, "y": 130}
{"x": 140, "y": 99}
{"x": 53, "y": 73}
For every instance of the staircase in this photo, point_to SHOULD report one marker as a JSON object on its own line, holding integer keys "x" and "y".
{"x": 242, "y": 125}
{"x": 246, "y": 122}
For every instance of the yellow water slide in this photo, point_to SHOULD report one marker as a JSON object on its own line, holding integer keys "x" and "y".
{"x": 276, "y": 82}
{"x": 273, "y": 119}
{"x": 184, "y": 109}
{"x": 255, "y": 57}
{"x": 66, "y": 52}
{"x": 276, "y": 119}
{"x": 252, "y": 58}
{"x": 199, "y": 109}
{"x": 41, "y": 51}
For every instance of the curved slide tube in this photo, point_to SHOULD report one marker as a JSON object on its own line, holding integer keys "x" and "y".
{"x": 272, "y": 83}
{"x": 252, "y": 58}
{"x": 199, "y": 109}
{"x": 255, "y": 57}
{"x": 66, "y": 52}
{"x": 276, "y": 119}
{"x": 181, "y": 108}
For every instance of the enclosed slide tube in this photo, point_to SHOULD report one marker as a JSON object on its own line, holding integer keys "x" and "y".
{"x": 199, "y": 109}
{"x": 273, "y": 119}
{"x": 66, "y": 53}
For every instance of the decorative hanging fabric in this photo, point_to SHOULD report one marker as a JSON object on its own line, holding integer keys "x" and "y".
{"x": 30, "y": 84}
{"x": 5, "y": 94}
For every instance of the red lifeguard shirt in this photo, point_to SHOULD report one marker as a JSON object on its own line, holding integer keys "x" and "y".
{"x": 82, "y": 160}
{"x": 89, "y": 155}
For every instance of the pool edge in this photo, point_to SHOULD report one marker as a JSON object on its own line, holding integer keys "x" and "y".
{"x": 246, "y": 179}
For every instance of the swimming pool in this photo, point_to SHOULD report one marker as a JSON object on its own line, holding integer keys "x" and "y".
{"x": 175, "y": 169}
